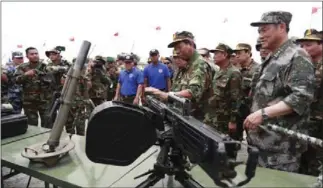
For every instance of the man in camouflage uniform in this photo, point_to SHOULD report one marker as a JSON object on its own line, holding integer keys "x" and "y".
{"x": 113, "y": 75}
{"x": 56, "y": 68}
{"x": 100, "y": 82}
{"x": 312, "y": 43}
{"x": 193, "y": 78}
{"x": 36, "y": 87}
{"x": 205, "y": 53}
{"x": 263, "y": 52}
{"x": 234, "y": 61}
{"x": 15, "y": 90}
{"x": 223, "y": 106}
{"x": 282, "y": 95}
{"x": 248, "y": 68}
{"x": 81, "y": 106}
{"x": 4, "y": 85}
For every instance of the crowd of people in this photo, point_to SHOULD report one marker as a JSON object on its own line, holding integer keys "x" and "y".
{"x": 229, "y": 91}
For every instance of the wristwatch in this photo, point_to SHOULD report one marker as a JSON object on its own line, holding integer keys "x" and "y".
{"x": 264, "y": 115}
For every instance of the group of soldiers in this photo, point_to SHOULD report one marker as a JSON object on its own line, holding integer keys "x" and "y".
{"x": 231, "y": 93}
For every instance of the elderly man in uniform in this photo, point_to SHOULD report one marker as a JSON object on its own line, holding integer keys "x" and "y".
{"x": 223, "y": 107}
{"x": 130, "y": 83}
{"x": 282, "y": 95}
{"x": 312, "y": 42}
{"x": 193, "y": 78}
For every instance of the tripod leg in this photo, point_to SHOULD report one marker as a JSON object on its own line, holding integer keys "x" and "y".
{"x": 187, "y": 181}
{"x": 150, "y": 181}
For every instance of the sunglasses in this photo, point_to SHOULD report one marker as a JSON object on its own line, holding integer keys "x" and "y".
{"x": 167, "y": 63}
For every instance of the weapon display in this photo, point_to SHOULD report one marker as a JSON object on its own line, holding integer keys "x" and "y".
{"x": 132, "y": 129}
{"x": 54, "y": 149}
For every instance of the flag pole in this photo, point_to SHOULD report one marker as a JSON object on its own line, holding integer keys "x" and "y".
{"x": 133, "y": 46}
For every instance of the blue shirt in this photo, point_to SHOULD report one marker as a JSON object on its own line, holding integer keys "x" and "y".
{"x": 129, "y": 81}
{"x": 157, "y": 75}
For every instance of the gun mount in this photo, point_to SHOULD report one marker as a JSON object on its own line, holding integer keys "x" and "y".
{"x": 50, "y": 152}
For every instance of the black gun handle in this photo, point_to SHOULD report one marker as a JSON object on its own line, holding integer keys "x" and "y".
{"x": 252, "y": 162}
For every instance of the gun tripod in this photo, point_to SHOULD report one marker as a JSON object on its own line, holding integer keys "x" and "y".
{"x": 170, "y": 161}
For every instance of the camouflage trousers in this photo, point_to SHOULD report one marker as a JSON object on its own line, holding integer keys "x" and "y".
{"x": 31, "y": 110}
{"x": 16, "y": 104}
{"x": 276, "y": 151}
{"x": 98, "y": 101}
{"x": 311, "y": 160}
{"x": 76, "y": 120}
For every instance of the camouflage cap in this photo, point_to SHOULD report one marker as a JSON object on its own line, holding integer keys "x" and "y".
{"x": 181, "y": 36}
{"x": 17, "y": 54}
{"x": 110, "y": 60}
{"x": 242, "y": 46}
{"x": 311, "y": 35}
{"x": 99, "y": 58}
{"x": 258, "y": 45}
{"x": 274, "y": 17}
{"x": 56, "y": 49}
{"x": 203, "y": 51}
{"x": 222, "y": 48}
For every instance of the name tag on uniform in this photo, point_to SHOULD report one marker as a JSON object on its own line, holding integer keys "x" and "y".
{"x": 160, "y": 70}
{"x": 130, "y": 75}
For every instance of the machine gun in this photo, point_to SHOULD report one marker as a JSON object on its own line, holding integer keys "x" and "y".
{"x": 132, "y": 130}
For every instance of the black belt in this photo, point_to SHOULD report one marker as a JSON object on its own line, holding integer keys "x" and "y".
{"x": 127, "y": 96}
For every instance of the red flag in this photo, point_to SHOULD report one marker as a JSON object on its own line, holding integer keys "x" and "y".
{"x": 72, "y": 39}
{"x": 225, "y": 20}
{"x": 116, "y": 34}
{"x": 315, "y": 9}
{"x": 19, "y": 46}
{"x": 158, "y": 28}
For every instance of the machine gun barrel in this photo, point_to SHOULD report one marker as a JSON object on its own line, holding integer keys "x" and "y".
{"x": 293, "y": 134}
{"x": 67, "y": 95}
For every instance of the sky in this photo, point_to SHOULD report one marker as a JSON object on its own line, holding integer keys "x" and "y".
{"x": 54, "y": 23}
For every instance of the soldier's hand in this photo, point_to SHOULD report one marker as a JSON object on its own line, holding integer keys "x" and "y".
{"x": 253, "y": 120}
{"x": 136, "y": 100}
{"x": 30, "y": 73}
{"x": 4, "y": 78}
{"x": 232, "y": 127}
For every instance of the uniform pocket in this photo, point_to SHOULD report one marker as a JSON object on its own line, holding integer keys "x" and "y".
{"x": 267, "y": 83}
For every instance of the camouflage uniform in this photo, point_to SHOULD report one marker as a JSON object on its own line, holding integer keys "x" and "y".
{"x": 247, "y": 73}
{"x": 100, "y": 83}
{"x": 223, "y": 106}
{"x": 36, "y": 91}
{"x": 312, "y": 157}
{"x": 4, "y": 86}
{"x": 286, "y": 75}
{"x": 112, "y": 74}
{"x": 196, "y": 77}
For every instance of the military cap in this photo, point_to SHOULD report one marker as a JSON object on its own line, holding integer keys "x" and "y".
{"x": 56, "y": 49}
{"x": 153, "y": 52}
{"x": 181, "y": 36}
{"x": 110, "y": 60}
{"x": 274, "y": 17}
{"x": 203, "y": 51}
{"x": 99, "y": 58}
{"x": 17, "y": 54}
{"x": 311, "y": 35}
{"x": 128, "y": 58}
{"x": 222, "y": 48}
{"x": 242, "y": 46}
{"x": 233, "y": 54}
{"x": 258, "y": 45}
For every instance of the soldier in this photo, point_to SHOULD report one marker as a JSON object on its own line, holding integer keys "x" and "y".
{"x": 36, "y": 88}
{"x": 312, "y": 43}
{"x": 263, "y": 52}
{"x": 223, "y": 106}
{"x": 282, "y": 95}
{"x": 15, "y": 90}
{"x": 193, "y": 78}
{"x": 130, "y": 83}
{"x": 4, "y": 86}
{"x": 81, "y": 106}
{"x": 248, "y": 68}
{"x": 100, "y": 82}
{"x": 234, "y": 61}
{"x": 205, "y": 53}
